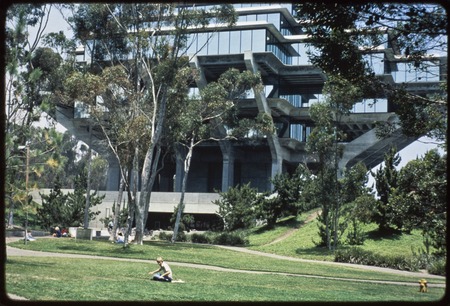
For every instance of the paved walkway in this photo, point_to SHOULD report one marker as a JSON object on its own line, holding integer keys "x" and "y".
{"x": 11, "y": 251}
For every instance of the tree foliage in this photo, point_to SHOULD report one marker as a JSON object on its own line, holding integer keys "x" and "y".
{"x": 287, "y": 198}
{"x": 420, "y": 200}
{"x": 358, "y": 202}
{"x": 238, "y": 207}
{"x": 204, "y": 118}
{"x": 59, "y": 209}
{"x": 149, "y": 41}
{"x": 339, "y": 35}
{"x": 386, "y": 179}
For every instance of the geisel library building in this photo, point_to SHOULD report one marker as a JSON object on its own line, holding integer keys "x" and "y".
{"x": 266, "y": 39}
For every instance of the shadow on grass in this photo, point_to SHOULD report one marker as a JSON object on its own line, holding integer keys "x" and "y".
{"x": 28, "y": 263}
{"x": 178, "y": 246}
{"x": 390, "y": 234}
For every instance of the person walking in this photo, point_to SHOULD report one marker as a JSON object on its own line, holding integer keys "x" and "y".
{"x": 163, "y": 273}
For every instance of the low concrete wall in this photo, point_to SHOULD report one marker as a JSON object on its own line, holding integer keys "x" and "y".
{"x": 160, "y": 202}
{"x": 16, "y": 233}
{"x": 85, "y": 234}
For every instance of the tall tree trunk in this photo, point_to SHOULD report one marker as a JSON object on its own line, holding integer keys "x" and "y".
{"x": 88, "y": 187}
{"x": 11, "y": 213}
{"x": 154, "y": 172}
{"x": 117, "y": 209}
{"x": 149, "y": 172}
{"x": 187, "y": 164}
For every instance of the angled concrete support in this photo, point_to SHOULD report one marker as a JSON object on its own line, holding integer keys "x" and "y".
{"x": 263, "y": 107}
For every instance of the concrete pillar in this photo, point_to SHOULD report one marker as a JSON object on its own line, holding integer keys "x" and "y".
{"x": 180, "y": 153}
{"x": 227, "y": 165}
{"x": 113, "y": 179}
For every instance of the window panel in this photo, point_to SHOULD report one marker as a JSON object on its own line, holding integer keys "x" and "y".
{"x": 201, "y": 43}
{"x": 259, "y": 41}
{"x": 235, "y": 42}
{"x": 275, "y": 19}
{"x": 213, "y": 44}
{"x": 224, "y": 42}
{"x": 246, "y": 41}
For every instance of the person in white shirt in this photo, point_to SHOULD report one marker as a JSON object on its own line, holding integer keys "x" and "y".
{"x": 30, "y": 237}
{"x": 163, "y": 273}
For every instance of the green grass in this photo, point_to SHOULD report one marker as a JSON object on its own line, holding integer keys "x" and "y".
{"x": 107, "y": 280}
{"x": 301, "y": 243}
{"x": 207, "y": 255}
{"x": 81, "y": 279}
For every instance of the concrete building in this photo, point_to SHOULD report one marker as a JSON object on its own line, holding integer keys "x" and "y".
{"x": 267, "y": 39}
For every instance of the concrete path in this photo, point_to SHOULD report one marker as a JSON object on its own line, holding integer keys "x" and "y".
{"x": 11, "y": 251}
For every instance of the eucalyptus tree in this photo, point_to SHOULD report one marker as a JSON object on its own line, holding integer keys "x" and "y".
{"x": 149, "y": 42}
{"x": 342, "y": 35}
{"x": 28, "y": 74}
{"x": 323, "y": 145}
{"x": 206, "y": 118}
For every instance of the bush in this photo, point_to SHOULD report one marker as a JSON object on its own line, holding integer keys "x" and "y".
{"x": 363, "y": 257}
{"x": 167, "y": 236}
{"x": 238, "y": 206}
{"x": 236, "y": 238}
{"x": 437, "y": 266}
{"x": 201, "y": 238}
{"x": 231, "y": 238}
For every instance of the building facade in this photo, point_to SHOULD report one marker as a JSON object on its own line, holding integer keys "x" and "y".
{"x": 268, "y": 40}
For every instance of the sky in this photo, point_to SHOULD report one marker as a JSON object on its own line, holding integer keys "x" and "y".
{"x": 411, "y": 152}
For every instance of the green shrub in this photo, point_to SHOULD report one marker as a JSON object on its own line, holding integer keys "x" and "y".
{"x": 231, "y": 238}
{"x": 201, "y": 238}
{"x": 359, "y": 256}
{"x": 181, "y": 237}
{"x": 437, "y": 266}
{"x": 164, "y": 236}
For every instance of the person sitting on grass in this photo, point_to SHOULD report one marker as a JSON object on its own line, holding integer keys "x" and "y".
{"x": 120, "y": 238}
{"x": 57, "y": 232}
{"x": 166, "y": 275}
{"x": 30, "y": 237}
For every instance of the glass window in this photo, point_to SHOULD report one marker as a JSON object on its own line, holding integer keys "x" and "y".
{"x": 235, "y": 42}
{"x": 430, "y": 73}
{"x": 261, "y": 17}
{"x": 191, "y": 44}
{"x": 251, "y": 17}
{"x": 242, "y": 18}
{"x": 359, "y": 107}
{"x": 275, "y": 19}
{"x": 375, "y": 62}
{"x": 246, "y": 40}
{"x": 370, "y": 106}
{"x": 213, "y": 44}
{"x": 224, "y": 42}
{"x": 201, "y": 43}
{"x": 259, "y": 41}
{"x": 296, "y": 131}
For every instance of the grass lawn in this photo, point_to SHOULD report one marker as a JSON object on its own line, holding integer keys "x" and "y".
{"x": 301, "y": 242}
{"x": 207, "y": 255}
{"x": 43, "y": 278}
{"x": 107, "y": 280}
